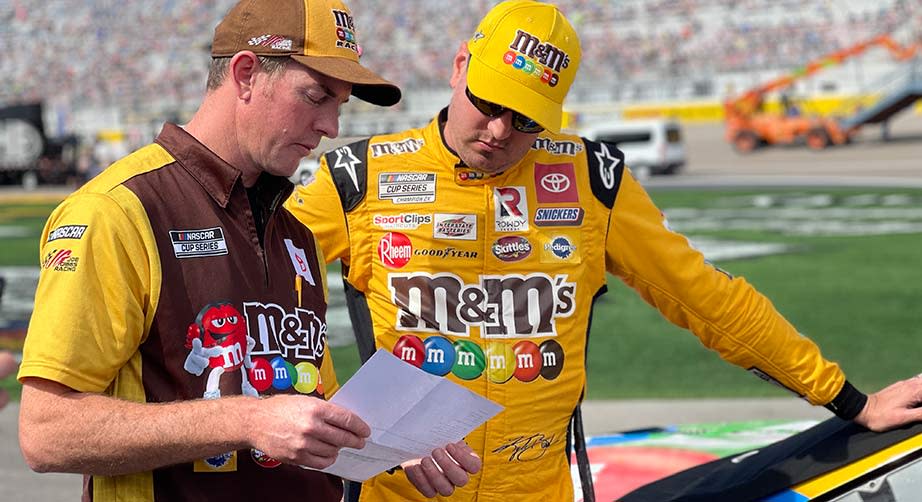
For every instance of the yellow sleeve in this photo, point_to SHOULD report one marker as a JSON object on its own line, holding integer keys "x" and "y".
{"x": 317, "y": 206}
{"x": 327, "y": 370}
{"x": 97, "y": 291}
{"x": 726, "y": 313}
{"x": 328, "y": 375}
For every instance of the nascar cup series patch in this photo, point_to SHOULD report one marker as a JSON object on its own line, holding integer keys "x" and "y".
{"x": 407, "y": 188}
{"x": 198, "y": 243}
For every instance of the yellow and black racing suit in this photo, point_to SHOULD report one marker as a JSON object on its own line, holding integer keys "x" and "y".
{"x": 490, "y": 281}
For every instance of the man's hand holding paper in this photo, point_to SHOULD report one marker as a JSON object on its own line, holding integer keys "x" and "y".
{"x": 417, "y": 421}
{"x": 445, "y": 469}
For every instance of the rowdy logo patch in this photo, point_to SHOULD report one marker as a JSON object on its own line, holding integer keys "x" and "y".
{"x": 511, "y": 213}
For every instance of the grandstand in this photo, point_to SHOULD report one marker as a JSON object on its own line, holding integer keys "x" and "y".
{"x": 104, "y": 64}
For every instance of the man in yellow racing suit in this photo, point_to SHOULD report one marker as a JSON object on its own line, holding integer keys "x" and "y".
{"x": 487, "y": 275}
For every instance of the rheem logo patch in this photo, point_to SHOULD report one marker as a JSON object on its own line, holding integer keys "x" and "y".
{"x": 395, "y": 250}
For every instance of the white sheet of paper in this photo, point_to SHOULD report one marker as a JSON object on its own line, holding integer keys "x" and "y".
{"x": 410, "y": 413}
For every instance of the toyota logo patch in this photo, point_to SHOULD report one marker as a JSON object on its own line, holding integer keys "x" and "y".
{"x": 555, "y": 183}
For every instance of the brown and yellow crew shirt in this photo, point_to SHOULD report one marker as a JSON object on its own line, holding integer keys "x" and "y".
{"x": 159, "y": 260}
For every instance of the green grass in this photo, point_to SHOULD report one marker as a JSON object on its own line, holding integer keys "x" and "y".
{"x": 12, "y": 386}
{"x": 347, "y": 362}
{"x": 858, "y": 297}
{"x": 23, "y": 251}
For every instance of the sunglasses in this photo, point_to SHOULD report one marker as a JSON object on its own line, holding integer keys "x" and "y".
{"x": 520, "y": 122}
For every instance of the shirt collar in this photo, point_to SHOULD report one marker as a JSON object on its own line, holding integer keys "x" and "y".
{"x": 434, "y": 134}
{"x": 215, "y": 175}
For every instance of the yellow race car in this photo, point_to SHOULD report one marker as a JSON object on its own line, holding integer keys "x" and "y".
{"x": 832, "y": 461}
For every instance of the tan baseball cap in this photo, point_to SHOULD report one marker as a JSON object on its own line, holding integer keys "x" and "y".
{"x": 320, "y": 34}
{"x": 524, "y": 56}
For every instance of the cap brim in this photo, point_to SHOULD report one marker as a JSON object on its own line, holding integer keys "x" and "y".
{"x": 366, "y": 84}
{"x": 497, "y": 87}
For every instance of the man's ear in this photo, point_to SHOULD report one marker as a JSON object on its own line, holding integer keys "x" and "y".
{"x": 243, "y": 68}
{"x": 459, "y": 65}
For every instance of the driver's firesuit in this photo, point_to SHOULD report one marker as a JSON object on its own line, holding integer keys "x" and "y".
{"x": 490, "y": 281}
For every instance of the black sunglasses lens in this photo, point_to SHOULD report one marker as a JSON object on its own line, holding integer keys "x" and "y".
{"x": 520, "y": 122}
{"x": 485, "y": 107}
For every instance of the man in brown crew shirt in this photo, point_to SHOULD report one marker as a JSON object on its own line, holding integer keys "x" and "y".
{"x": 177, "y": 350}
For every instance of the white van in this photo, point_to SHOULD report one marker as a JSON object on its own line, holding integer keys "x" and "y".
{"x": 305, "y": 172}
{"x": 649, "y": 146}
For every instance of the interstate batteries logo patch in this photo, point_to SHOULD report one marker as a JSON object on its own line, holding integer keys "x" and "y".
{"x": 455, "y": 226}
{"x": 198, "y": 243}
{"x": 406, "y": 188}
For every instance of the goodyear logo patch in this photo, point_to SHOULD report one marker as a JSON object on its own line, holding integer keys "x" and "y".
{"x": 67, "y": 232}
{"x": 198, "y": 243}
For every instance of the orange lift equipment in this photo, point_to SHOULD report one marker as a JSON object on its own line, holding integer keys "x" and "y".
{"x": 749, "y": 127}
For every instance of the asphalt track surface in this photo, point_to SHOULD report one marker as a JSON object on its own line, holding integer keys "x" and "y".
{"x": 867, "y": 162}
